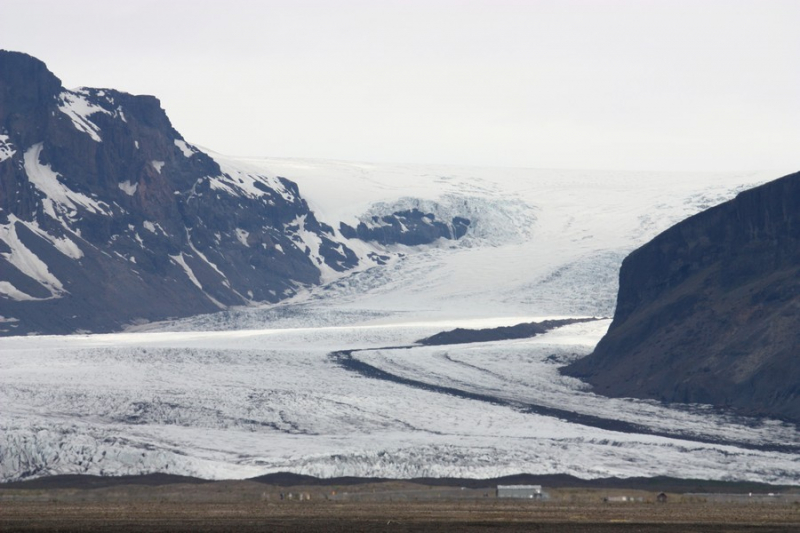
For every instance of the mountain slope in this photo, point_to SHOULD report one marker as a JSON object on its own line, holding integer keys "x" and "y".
{"x": 107, "y": 216}
{"x": 708, "y": 311}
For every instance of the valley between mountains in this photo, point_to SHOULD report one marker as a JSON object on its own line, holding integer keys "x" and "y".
{"x": 165, "y": 308}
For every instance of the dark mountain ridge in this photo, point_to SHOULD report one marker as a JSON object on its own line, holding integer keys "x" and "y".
{"x": 709, "y": 310}
{"x": 107, "y": 216}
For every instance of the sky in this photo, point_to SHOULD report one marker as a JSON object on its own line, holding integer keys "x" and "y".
{"x": 699, "y": 85}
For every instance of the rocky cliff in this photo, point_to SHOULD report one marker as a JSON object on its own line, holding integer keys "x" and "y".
{"x": 108, "y": 216}
{"x": 709, "y": 311}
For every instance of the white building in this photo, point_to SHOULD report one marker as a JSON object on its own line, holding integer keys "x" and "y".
{"x": 533, "y": 492}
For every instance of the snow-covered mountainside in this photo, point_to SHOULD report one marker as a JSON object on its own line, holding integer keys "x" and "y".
{"x": 539, "y": 242}
{"x": 109, "y": 217}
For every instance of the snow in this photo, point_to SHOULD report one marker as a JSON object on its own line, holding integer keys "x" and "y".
{"x": 26, "y": 262}
{"x": 128, "y": 188}
{"x": 64, "y": 245}
{"x": 180, "y": 260}
{"x": 236, "y": 404}
{"x": 153, "y": 227}
{"x": 541, "y": 241}
{"x": 75, "y": 105}
{"x": 309, "y": 240}
{"x": 240, "y": 178}
{"x": 255, "y": 390}
{"x": 59, "y": 199}
{"x": 242, "y": 236}
{"x": 185, "y": 148}
{"x": 10, "y": 291}
{"x": 158, "y": 165}
{"x": 6, "y": 148}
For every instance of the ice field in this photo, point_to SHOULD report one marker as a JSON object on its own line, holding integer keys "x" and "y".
{"x": 256, "y": 390}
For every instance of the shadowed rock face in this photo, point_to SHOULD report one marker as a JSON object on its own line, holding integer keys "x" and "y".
{"x": 709, "y": 311}
{"x": 101, "y": 194}
{"x": 410, "y": 227}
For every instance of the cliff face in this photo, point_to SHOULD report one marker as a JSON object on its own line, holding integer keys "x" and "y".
{"x": 107, "y": 216}
{"x": 709, "y": 311}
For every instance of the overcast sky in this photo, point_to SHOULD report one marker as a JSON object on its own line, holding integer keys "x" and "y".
{"x": 638, "y": 85}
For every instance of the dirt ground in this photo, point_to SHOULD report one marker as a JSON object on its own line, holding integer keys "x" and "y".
{"x": 392, "y": 507}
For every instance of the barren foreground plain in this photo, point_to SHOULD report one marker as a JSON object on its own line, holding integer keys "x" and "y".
{"x": 383, "y": 506}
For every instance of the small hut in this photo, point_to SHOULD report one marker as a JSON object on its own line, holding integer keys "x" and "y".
{"x": 533, "y": 492}
{"x": 661, "y": 498}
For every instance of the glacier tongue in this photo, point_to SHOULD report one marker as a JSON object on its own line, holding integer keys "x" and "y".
{"x": 236, "y": 404}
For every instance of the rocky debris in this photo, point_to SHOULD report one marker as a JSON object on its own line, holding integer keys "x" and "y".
{"x": 411, "y": 227}
{"x": 708, "y": 311}
{"x": 502, "y": 333}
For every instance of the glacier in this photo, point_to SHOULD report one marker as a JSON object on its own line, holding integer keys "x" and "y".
{"x": 253, "y": 390}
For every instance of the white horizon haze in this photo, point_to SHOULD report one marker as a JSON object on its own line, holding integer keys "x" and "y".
{"x": 673, "y": 85}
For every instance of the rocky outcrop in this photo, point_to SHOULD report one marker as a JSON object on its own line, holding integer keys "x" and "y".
{"x": 411, "y": 227}
{"x": 709, "y": 311}
{"x": 108, "y": 216}
{"x": 503, "y": 333}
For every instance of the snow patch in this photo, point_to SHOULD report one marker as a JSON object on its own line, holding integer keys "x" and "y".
{"x": 239, "y": 178}
{"x": 10, "y": 291}
{"x": 75, "y": 105}
{"x": 185, "y": 148}
{"x": 312, "y": 243}
{"x": 59, "y": 199}
{"x": 158, "y": 165}
{"x": 64, "y": 245}
{"x": 206, "y": 259}
{"x": 242, "y": 236}
{"x": 181, "y": 261}
{"x": 6, "y": 148}
{"x": 26, "y": 262}
{"x": 128, "y": 188}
